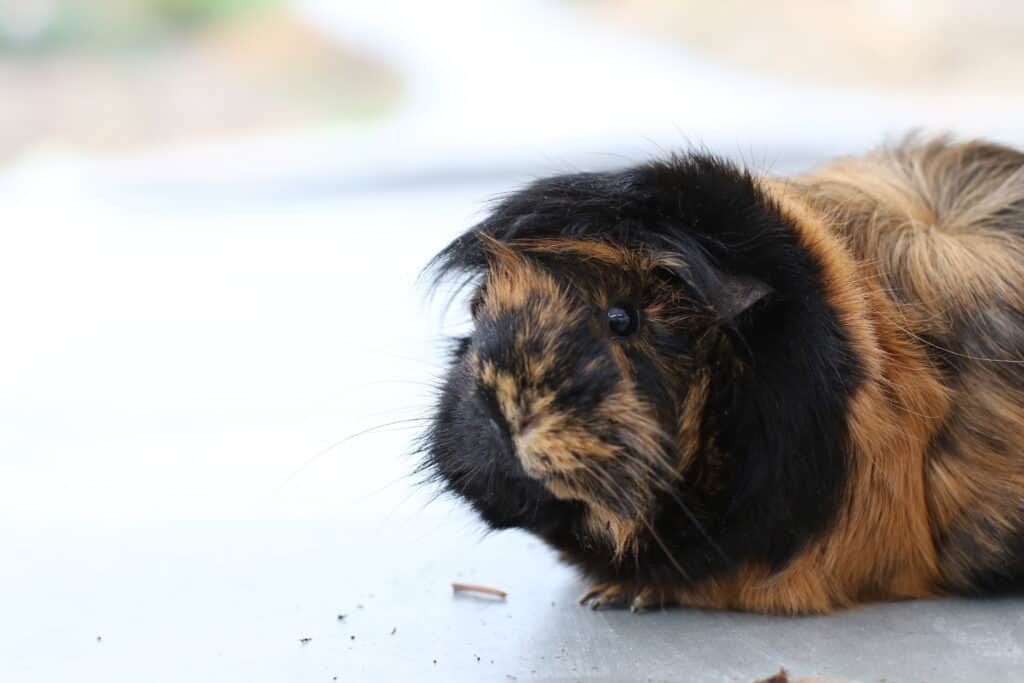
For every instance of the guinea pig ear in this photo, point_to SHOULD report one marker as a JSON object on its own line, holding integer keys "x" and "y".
{"x": 734, "y": 295}
{"x": 729, "y": 295}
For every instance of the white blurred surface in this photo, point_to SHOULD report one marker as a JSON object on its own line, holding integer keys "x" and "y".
{"x": 191, "y": 335}
{"x": 178, "y": 501}
{"x": 166, "y": 362}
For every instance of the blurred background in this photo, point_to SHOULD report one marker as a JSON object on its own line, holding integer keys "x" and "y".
{"x": 214, "y": 211}
{"x": 213, "y": 214}
{"x": 392, "y": 89}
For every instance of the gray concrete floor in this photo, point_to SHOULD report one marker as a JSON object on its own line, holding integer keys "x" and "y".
{"x": 233, "y": 602}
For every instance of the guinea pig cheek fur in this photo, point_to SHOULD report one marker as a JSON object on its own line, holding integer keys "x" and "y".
{"x": 546, "y": 442}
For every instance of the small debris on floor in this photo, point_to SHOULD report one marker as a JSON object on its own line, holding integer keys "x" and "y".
{"x": 305, "y": 640}
{"x": 359, "y": 607}
{"x": 475, "y": 588}
{"x": 99, "y": 639}
{"x": 341, "y": 617}
{"x": 351, "y": 637}
{"x": 394, "y": 630}
{"x": 783, "y": 677}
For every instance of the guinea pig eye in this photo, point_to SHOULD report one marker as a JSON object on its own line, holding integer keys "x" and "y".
{"x": 622, "y": 320}
{"x": 476, "y": 304}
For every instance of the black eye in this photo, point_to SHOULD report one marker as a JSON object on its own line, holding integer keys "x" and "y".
{"x": 622, "y": 320}
{"x": 477, "y": 302}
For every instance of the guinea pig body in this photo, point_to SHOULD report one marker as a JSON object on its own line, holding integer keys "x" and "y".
{"x": 780, "y": 395}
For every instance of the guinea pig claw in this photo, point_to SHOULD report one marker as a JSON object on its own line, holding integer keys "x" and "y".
{"x": 591, "y": 592}
{"x": 647, "y": 599}
{"x": 608, "y": 594}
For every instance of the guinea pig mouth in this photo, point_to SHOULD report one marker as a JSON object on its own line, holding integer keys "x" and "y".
{"x": 541, "y": 468}
{"x": 536, "y": 462}
{"x": 538, "y": 466}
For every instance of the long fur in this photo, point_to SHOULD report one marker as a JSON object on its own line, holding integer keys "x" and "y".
{"x": 823, "y": 403}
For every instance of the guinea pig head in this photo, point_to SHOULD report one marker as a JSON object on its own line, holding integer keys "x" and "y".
{"x": 580, "y": 391}
{"x": 659, "y": 373}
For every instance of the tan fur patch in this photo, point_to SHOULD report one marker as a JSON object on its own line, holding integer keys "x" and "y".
{"x": 880, "y": 546}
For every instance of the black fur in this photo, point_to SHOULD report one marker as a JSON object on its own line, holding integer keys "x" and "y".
{"x": 781, "y": 367}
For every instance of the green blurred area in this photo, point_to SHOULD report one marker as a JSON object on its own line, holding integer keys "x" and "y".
{"x": 111, "y": 25}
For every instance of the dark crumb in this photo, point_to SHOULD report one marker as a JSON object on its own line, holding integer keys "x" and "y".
{"x": 477, "y": 657}
{"x": 435, "y": 661}
{"x": 394, "y": 630}
{"x": 781, "y": 677}
{"x": 351, "y": 637}
{"x": 305, "y": 640}
{"x": 341, "y": 617}
{"x": 99, "y": 639}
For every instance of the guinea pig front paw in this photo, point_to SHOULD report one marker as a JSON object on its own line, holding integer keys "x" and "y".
{"x": 607, "y": 594}
{"x": 611, "y": 594}
{"x": 649, "y": 598}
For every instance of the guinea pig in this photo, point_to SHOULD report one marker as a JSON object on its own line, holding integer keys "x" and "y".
{"x": 708, "y": 387}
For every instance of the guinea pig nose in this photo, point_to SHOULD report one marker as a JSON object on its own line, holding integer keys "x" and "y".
{"x": 526, "y": 423}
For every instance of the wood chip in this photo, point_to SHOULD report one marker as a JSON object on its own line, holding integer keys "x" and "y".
{"x": 473, "y": 588}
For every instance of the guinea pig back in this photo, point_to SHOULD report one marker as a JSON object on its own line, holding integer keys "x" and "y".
{"x": 707, "y": 387}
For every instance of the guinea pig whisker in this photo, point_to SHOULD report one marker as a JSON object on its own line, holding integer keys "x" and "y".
{"x": 663, "y": 478}
{"x": 668, "y": 553}
{"x": 378, "y": 491}
{"x": 610, "y": 484}
{"x": 967, "y": 356}
{"x": 431, "y": 385}
{"x": 668, "y": 489}
{"x": 700, "y": 527}
{"x": 399, "y": 410}
{"x": 377, "y": 428}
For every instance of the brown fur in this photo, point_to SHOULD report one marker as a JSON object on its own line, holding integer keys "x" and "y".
{"x": 921, "y": 250}
{"x": 941, "y": 228}
{"x": 911, "y": 241}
